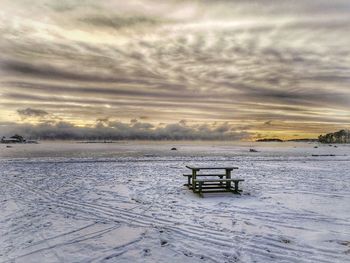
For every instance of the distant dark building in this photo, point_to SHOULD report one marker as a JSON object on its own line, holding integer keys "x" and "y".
{"x": 13, "y": 139}
{"x": 18, "y": 137}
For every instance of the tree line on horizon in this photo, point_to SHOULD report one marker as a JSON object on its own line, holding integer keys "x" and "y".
{"x": 342, "y": 136}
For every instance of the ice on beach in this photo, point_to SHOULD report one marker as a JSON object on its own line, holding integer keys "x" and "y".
{"x": 125, "y": 202}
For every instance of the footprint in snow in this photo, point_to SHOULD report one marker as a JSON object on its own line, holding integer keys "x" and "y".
{"x": 188, "y": 254}
{"x": 146, "y": 252}
{"x": 344, "y": 243}
{"x": 285, "y": 241}
{"x": 163, "y": 243}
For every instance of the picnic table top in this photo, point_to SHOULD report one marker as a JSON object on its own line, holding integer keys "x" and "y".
{"x": 211, "y": 168}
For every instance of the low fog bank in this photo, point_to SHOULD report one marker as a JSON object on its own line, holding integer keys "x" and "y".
{"x": 107, "y": 130}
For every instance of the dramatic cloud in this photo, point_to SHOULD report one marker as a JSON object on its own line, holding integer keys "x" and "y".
{"x": 29, "y": 112}
{"x": 117, "y": 22}
{"x": 266, "y": 67}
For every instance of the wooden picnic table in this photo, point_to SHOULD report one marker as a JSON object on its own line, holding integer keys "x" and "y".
{"x": 223, "y": 184}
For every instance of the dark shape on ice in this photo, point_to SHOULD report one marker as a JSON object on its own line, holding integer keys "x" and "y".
{"x": 163, "y": 243}
{"x": 16, "y": 139}
{"x": 286, "y": 241}
{"x": 147, "y": 252}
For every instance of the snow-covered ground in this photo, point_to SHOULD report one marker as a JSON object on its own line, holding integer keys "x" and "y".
{"x": 125, "y": 202}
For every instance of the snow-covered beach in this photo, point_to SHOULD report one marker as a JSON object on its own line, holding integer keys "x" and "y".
{"x": 125, "y": 202}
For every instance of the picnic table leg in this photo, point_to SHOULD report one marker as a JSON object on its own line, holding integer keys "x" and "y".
{"x": 236, "y": 186}
{"x": 189, "y": 181}
{"x": 236, "y": 190}
{"x": 200, "y": 189}
{"x": 194, "y": 184}
{"x": 228, "y": 176}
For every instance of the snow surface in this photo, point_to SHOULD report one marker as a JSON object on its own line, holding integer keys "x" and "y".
{"x": 125, "y": 202}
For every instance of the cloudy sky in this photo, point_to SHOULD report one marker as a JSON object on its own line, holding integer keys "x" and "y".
{"x": 224, "y": 69}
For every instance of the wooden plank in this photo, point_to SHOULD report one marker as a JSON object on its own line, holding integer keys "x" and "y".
{"x": 193, "y": 169}
{"x": 208, "y": 184}
{"x": 214, "y": 187}
{"x": 212, "y": 168}
{"x": 219, "y": 180}
{"x": 223, "y": 187}
{"x": 205, "y": 175}
{"x": 224, "y": 190}
{"x": 215, "y": 190}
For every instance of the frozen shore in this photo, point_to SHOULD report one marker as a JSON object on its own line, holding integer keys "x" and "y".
{"x": 125, "y": 202}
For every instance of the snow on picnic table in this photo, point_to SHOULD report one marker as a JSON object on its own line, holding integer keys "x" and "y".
{"x": 127, "y": 203}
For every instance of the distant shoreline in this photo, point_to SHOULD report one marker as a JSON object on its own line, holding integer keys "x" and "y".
{"x": 291, "y": 140}
{"x": 98, "y": 141}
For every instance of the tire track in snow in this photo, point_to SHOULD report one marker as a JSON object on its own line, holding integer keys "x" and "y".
{"x": 189, "y": 231}
{"x": 65, "y": 243}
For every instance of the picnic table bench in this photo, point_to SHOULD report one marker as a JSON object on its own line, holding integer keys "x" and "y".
{"x": 221, "y": 184}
